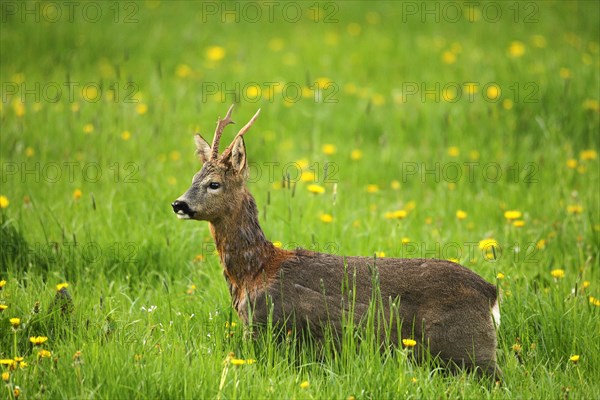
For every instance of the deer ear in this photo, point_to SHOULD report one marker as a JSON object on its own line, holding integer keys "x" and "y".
{"x": 237, "y": 156}
{"x": 202, "y": 148}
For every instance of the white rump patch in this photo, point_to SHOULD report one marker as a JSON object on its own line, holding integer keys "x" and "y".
{"x": 496, "y": 314}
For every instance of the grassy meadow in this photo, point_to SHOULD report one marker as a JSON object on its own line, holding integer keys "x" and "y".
{"x": 395, "y": 129}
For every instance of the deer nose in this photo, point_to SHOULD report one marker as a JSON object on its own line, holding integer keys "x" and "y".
{"x": 180, "y": 207}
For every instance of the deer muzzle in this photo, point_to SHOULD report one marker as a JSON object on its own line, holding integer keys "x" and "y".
{"x": 182, "y": 209}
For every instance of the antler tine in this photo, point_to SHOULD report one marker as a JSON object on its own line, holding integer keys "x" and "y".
{"x": 221, "y": 124}
{"x": 248, "y": 125}
{"x": 241, "y": 133}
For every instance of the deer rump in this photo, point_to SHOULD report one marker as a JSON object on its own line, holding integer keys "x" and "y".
{"x": 445, "y": 307}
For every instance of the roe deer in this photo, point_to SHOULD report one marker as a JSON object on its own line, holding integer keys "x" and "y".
{"x": 448, "y": 309}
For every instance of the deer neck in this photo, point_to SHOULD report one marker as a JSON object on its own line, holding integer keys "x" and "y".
{"x": 243, "y": 248}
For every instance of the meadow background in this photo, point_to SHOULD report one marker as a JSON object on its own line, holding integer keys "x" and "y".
{"x": 401, "y": 129}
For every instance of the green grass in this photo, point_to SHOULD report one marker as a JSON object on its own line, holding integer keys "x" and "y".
{"x": 122, "y": 251}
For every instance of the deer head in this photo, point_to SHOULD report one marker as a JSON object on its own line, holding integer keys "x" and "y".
{"x": 220, "y": 181}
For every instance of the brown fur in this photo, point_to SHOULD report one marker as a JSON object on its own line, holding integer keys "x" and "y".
{"x": 444, "y": 306}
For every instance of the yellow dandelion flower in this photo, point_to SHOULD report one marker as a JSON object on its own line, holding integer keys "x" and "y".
{"x": 307, "y": 176}
{"x": 380, "y": 254}
{"x": 183, "y": 71}
{"x": 354, "y": 29}
{"x": 90, "y": 93}
{"x": 7, "y": 362}
{"x": 493, "y": 92}
{"x": 253, "y": 92}
{"x": 356, "y": 154}
{"x": 29, "y": 151}
{"x": 350, "y": 88}
{"x": 171, "y": 180}
{"x": 327, "y": 218}
{"x": 372, "y": 188}
{"x": 191, "y": 289}
{"x": 586, "y": 284}
{"x": 588, "y": 155}
{"x": 373, "y": 17}
{"x": 175, "y": 155}
{"x": 486, "y": 244}
{"x": 38, "y": 340}
{"x": 88, "y": 128}
{"x": 276, "y": 44}
{"x": 516, "y": 49}
{"x": 15, "y": 322}
{"x": 512, "y": 215}
{"x": 2, "y": 283}
{"x": 6, "y": 376}
{"x": 428, "y": 220}
{"x": 453, "y": 151}
{"x": 565, "y": 73}
{"x": 378, "y": 99}
{"x": 448, "y": 57}
{"x": 316, "y": 189}
{"x": 572, "y": 163}
{"x": 541, "y": 244}
{"x": 500, "y": 276}
{"x": 395, "y": 185}
{"x": 141, "y": 108}
{"x": 516, "y": 348}
{"x": 591, "y": 104}
{"x": 329, "y": 149}
{"x": 125, "y": 135}
{"x": 460, "y": 214}
{"x": 574, "y": 209}
{"x": 277, "y": 244}
{"x": 538, "y": 41}
{"x": 3, "y": 307}
{"x": 61, "y": 286}
{"x": 574, "y": 358}
{"x": 215, "y": 53}
{"x": 238, "y": 361}
{"x": 304, "y": 385}
{"x": 44, "y": 354}
{"x": 398, "y": 214}
{"x": 507, "y": 104}
{"x": 409, "y": 342}
{"x": 454, "y": 260}
{"x": 302, "y": 163}
{"x": 77, "y": 194}
{"x": 19, "y": 108}
{"x": 594, "y": 301}
{"x": 413, "y": 379}
{"x": 558, "y": 273}
{"x": 4, "y": 202}
{"x": 16, "y": 391}
{"x": 519, "y": 223}
{"x": 581, "y": 169}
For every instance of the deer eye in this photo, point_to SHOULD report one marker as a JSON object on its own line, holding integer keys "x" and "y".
{"x": 214, "y": 185}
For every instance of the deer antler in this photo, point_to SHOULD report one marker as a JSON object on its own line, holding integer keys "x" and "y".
{"x": 242, "y": 131}
{"x": 221, "y": 124}
{"x": 248, "y": 125}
